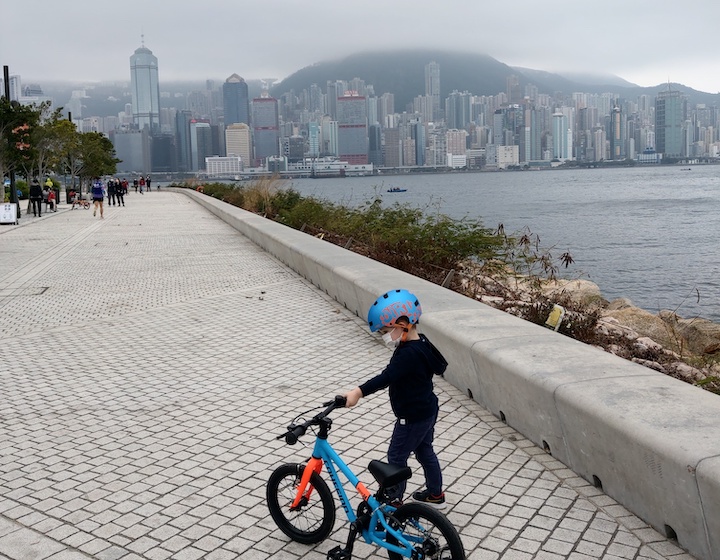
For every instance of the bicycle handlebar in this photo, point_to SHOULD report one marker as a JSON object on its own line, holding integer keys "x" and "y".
{"x": 296, "y": 431}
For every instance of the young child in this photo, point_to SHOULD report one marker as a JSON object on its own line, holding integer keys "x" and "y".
{"x": 409, "y": 379}
{"x": 51, "y": 200}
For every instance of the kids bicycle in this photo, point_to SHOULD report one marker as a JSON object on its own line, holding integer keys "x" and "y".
{"x": 302, "y": 505}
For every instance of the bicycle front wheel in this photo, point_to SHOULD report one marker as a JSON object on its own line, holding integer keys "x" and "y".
{"x": 314, "y": 519}
{"x": 432, "y": 534}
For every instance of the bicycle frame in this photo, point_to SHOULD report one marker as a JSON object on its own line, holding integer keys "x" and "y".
{"x": 378, "y": 529}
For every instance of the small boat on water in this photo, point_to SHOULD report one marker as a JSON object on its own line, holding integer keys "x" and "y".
{"x": 396, "y": 189}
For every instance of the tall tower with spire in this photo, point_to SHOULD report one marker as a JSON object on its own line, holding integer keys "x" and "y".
{"x": 145, "y": 88}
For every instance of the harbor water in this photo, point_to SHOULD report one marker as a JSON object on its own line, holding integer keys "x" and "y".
{"x": 649, "y": 234}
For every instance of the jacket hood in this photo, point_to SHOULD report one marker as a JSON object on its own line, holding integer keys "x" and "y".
{"x": 432, "y": 356}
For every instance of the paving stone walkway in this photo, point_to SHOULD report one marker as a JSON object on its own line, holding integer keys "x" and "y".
{"x": 148, "y": 360}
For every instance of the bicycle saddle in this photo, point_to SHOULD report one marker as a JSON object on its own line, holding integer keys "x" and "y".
{"x": 388, "y": 475}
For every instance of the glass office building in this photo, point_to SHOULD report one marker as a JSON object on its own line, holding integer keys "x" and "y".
{"x": 670, "y": 110}
{"x": 236, "y": 102}
{"x": 266, "y": 128}
{"x": 145, "y": 89}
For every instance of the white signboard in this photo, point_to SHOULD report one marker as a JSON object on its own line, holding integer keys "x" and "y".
{"x": 8, "y": 213}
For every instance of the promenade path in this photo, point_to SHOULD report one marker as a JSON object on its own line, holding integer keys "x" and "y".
{"x": 148, "y": 360}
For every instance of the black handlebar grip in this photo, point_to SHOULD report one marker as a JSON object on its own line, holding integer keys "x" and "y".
{"x": 293, "y": 435}
{"x": 338, "y": 402}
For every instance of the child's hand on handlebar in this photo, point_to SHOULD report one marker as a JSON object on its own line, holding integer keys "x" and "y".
{"x": 353, "y": 397}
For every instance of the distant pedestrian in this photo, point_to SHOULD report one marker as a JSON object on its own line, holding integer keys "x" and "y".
{"x": 51, "y": 200}
{"x": 120, "y": 188}
{"x": 142, "y": 184}
{"x": 45, "y": 193}
{"x": 147, "y": 182}
{"x": 98, "y": 193}
{"x": 135, "y": 184}
{"x": 111, "y": 190}
{"x": 36, "y": 197}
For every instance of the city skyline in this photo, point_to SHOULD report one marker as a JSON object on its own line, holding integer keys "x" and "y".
{"x": 350, "y": 123}
{"x": 642, "y": 42}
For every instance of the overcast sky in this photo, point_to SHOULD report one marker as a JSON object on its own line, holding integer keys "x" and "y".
{"x": 646, "y": 42}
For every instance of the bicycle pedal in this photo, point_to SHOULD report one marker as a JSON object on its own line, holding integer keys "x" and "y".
{"x": 338, "y": 553}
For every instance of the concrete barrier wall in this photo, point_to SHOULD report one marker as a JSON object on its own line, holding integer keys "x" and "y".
{"x": 650, "y": 441}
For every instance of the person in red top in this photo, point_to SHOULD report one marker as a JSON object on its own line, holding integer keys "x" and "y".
{"x": 51, "y": 200}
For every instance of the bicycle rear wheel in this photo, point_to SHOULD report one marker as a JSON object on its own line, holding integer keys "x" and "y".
{"x": 433, "y": 535}
{"x": 310, "y": 523}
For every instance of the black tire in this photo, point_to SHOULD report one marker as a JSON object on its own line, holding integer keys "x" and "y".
{"x": 439, "y": 538}
{"x": 312, "y": 522}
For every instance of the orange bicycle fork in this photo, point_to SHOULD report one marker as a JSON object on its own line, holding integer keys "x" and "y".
{"x": 314, "y": 465}
{"x": 304, "y": 489}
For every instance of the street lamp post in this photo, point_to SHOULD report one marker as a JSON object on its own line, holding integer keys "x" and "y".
{"x": 13, "y": 190}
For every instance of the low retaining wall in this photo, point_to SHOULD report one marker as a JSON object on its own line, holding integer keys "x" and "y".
{"x": 651, "y": 442}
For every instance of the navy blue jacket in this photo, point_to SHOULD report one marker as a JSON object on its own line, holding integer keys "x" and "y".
{"x": 409, "y": 377}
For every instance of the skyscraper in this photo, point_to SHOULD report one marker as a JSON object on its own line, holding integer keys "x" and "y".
{"x": 352, "y": 128}
{"x": 238, "y": 142}
{"x": 514, "y": 93}
{"x": 393, "y": 148}
{"x": 386, "y": 107}
{"x": 145, "y": 89}
{"x": 334, "y": 90}
{"x": 617, "y": 134}
{"x": 458, "y": 109}
{"x": 236, "y": 102}
{"x": 432, "y": 87}
{"x": 375, "y": 152}
{"x": 316, "y": 100}
{"x": 562, "y": 136}
{"x": 200, "y": 144}
{"x": 314, "y": 138}
{"x": 266, "y": 127}
{"x": 669, "y": 119}
{"x": 328, "y": 137}
{"x": 182, "y": 140}
{"x": 417, "y": 132}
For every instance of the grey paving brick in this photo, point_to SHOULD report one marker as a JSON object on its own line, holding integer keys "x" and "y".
{"x": 145, "y": 431}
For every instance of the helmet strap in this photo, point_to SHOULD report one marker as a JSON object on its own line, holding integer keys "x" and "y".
{"x": 405, "y": 330}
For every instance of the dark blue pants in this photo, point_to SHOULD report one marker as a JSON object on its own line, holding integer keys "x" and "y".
{"x": 415, "y": 437}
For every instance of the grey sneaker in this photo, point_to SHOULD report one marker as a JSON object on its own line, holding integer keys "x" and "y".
{"x": 424, "y": 496}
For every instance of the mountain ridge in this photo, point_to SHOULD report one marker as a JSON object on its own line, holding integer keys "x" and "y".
{"x": 402, "y": 72}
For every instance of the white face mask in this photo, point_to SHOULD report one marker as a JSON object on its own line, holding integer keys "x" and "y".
{"x": 389, "y": 342}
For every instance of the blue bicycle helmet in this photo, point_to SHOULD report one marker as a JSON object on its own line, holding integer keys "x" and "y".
{"x": 392, "y": 305}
